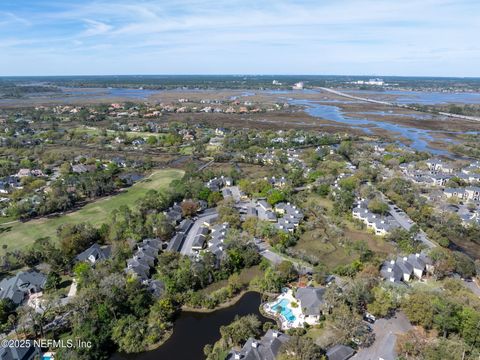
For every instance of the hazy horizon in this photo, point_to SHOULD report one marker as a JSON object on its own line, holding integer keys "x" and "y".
{"x": 246, "y": 75}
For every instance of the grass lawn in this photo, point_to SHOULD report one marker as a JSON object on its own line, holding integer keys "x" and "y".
{"x": 187, "y": 150}
{"x": 251, "y": 171}
{"x": 324, "y": 336}
{"x": 5, "y": 219}
{"x": 246, "y": 275}
{"x": 62, "y": 290}
{"x": 19, "y": 235}
{"x": 375, "y": 243}
{"x": 331, "y": 252}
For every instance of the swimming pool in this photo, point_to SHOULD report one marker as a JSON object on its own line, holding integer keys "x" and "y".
{"x": 282, "y": 308}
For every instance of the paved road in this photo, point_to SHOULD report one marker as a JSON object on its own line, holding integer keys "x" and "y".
{"x": 301, "y": 188}
{"x": 405, "y": 222}
{"x": 235, "y": 193}
{"x": 187, "y": 244}
{"x": 405, "y": 106}
{"x": 274, "y": 258}
{"x": 472, "y": 285}
{"x": 386, "y": 331}
{"x": 205, "y": 165}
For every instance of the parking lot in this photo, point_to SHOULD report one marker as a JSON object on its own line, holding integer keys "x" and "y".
{"x": 404, "y": 220}
{"x": 208, "y": 215}
{"x": 386, "y": 331}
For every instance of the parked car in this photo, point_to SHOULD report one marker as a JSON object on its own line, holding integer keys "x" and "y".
{"x": 369, "y": 318}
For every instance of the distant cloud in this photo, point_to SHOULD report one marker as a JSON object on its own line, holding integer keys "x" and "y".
{"x": 9, "y": 18}
{"x": 95, "y": 28}
{"x": 408, "y": 37}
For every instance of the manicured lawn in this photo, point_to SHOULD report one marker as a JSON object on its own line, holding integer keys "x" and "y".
{"x": 19, "y": 235}
{"x": 187, "y": 150}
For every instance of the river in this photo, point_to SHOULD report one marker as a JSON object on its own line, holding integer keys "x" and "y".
{"x": 192, "y": 331}
{"x": 419, "y": 138}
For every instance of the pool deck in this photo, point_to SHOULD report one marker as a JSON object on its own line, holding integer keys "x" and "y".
{"x": 287, "y": 296}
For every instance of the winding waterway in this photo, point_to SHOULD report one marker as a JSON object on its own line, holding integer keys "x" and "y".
{"x": 192, "y": 331}
{"x": 419, "y": 138}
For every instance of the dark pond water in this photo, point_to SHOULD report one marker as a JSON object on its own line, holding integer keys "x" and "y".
{"x": 192, "y": 331}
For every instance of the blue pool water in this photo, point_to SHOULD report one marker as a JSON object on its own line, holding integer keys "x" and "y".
{"x": 285, "y": 311}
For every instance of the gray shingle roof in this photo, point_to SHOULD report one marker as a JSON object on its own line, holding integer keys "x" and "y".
{"x": 155, "y": 243}
{"x": 340, "y": 352}
{"x": 156, "y": 287}
{"x": 267, "y": 348}
{"x": 184, "y": 226}
{"x": 391, "y": 271}
{"x": 404, "y": 265}
{"x": 19, "y": 353}
{"x": 395, "y": 269}
{"x": 22, "y": 284}
{"x": 176, "y": 242}
{"x": 311, "y": 300}
{"x": 417, "y": 261}
{"x": 95, "y": 253}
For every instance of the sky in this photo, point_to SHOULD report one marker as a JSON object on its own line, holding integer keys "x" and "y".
{"x": 324, "y": 37}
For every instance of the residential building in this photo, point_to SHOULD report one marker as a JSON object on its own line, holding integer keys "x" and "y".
{"x": 267, "y": 348}
{"x": 94, "y": 254}
{"x": 216, "y": 242}
{"x": 81, "y": 168}
{"x": 440, "y": 165}
{"x": 174, "y": 213}
{"x": 19, "y": 287}
{"x": 216, "y": 184}
{"x": 27, "y": 172}
{"x": 406, "y": 268}
{"x": 311, "y": 302}
{"x": 176, "y": 242}
{"x": 144, "y": 258}
{"x": 471, "y": 193}
{"x": 340, "y": 352}
{"x": 20, "y": 353}
{"x": 264, "y": 205}
{"x": 155, "y": 287}
{"x": 380, "y": 224}
{"x": 200, "y": 238}
{"x": 291, "y": 216}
